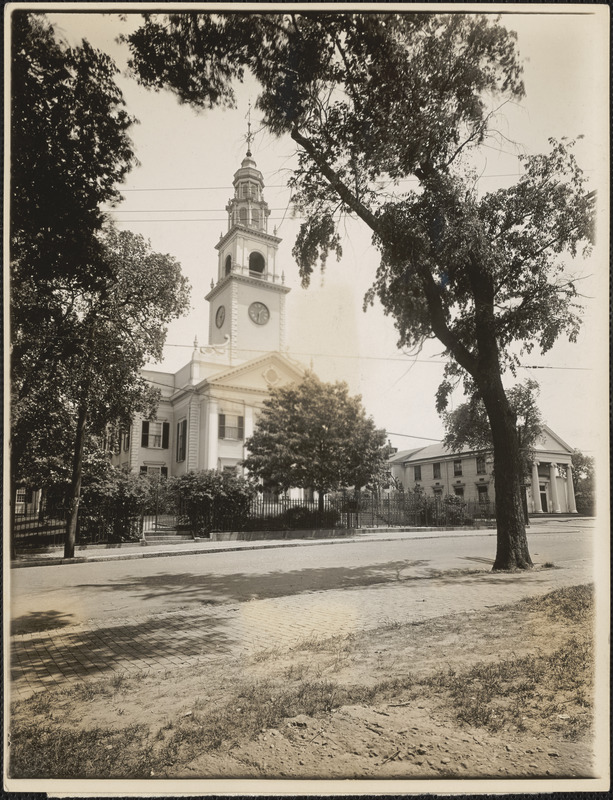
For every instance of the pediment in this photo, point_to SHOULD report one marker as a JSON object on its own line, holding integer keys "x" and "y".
{"x": 550, "y": 442}
{"x": 260, "y": 374}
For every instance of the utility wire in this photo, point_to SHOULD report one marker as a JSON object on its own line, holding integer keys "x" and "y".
{"x": 401, "y": 359}
{"x": 283, "y": 185}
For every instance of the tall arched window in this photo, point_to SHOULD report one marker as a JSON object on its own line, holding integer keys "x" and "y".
{"x": 256, "y": 263}
{"x": 256, "y": 218}
{"x": 242, "y": 216}
{"x": 228, "y": 265}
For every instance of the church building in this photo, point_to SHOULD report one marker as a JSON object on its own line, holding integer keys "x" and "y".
{"x": 209, "y": 407}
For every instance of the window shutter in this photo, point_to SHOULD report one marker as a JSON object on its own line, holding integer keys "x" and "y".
{"x": 165, "y": 435}
{"x": 241, "y": 427}
{"x": 184, "y": 437}
{"x": 222, "y": 426}
{"x": 164, "y": 472}
{"x": 144, "y": 441}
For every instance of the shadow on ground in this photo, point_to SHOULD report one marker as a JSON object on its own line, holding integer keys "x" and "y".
{"x": 204, "y": 588}
{"x": 154, "y": 643}
{"x": 38, "y": 621}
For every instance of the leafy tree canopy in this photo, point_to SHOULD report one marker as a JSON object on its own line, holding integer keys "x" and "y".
{"x": 69, "y": 151}
{"x": 314, "y": 435}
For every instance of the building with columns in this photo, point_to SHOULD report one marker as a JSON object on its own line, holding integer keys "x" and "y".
{"x": 208, "y": 408}
{"x": 469, "y": 474}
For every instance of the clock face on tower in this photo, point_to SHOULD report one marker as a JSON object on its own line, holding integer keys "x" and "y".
{"x": 220, "y": 316}
{"x": 258, "y": 313}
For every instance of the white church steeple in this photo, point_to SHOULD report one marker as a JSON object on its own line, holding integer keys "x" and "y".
{"x": 247, "y": 303}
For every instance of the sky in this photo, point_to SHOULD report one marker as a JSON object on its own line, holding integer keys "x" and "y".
{"x": 177, "y": 195}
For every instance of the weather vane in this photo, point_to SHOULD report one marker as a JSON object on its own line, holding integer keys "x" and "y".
{"x": 249, "y": 134}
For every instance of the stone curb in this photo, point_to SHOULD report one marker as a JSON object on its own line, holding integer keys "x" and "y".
{"x": 366, "y": 536}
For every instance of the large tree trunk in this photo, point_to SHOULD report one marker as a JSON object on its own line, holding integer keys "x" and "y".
{"x": 75, "y": 484}
{"x": 511, "y": 543}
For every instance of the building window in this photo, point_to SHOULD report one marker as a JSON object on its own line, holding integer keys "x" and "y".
{"x": 242, "y": 216}
{"x": 483, "y": 494}
{"x": 457, "y": 467}
{"x": 249, "y": 190}
{"x": 155, "y": 434}
{"x": 436, "y": 470}
{"x": 181, "y": 439}
{"x": 256, "y": 263}
{"x": 155, "y": 472}
{"x": 231, "y": 427}
{"x": 417, "y": 472}
{"x": 256, "y": 217}
{"x": 126, "y": 440}
{"x": 438, "y": 494}
{"x": 228, "y": 265}
{"x": 480, "y": 465}
{"x": 458, "y": 491}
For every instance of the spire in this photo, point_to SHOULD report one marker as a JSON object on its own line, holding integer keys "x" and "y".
{"x": 249, "y": 134}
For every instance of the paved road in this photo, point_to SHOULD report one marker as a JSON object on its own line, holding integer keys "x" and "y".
{"x": 78, "y": 621}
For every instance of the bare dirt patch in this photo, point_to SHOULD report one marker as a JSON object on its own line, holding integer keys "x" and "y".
{"x": 502, "y": 693}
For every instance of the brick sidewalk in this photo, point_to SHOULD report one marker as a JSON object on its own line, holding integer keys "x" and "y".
{"x": 178, "y": 639}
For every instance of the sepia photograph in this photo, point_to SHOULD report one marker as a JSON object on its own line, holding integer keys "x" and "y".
{"x": 306, "y": 445}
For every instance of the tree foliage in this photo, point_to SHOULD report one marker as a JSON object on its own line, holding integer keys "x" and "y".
{"x": 315, "y": 435}
{"x": 584, "y": 479}
{"x": 209, "y": 500}
{"x": 373, "y": 99}
{"x": 468, "y": 425}
{"x": 70, "y": 149}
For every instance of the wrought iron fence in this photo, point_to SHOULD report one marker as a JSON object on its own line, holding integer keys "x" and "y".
{"x": 106, "y": 523}
{"x": 46, "y": 527}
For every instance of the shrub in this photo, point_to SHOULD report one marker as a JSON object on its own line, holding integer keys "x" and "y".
{"x": 210, "y": 500}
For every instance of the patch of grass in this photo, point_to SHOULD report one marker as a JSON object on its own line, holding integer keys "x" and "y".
{"x": 575, "y": 603}
{"x": 52, "y": 752}
{"x": 509, "y": 692}
{"x": 88, "y": 690}
{"x": 39, "y": 703}
{"x": 118, "y": 680}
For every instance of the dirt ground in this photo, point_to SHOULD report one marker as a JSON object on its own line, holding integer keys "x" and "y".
{"x": 502, "y": 693}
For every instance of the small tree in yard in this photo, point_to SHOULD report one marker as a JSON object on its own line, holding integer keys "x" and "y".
{"x": 585, "y": 484}
{"x": 373, "y": 99}
{"x": 314, "y": 435}
{"x": 468, "y": 424}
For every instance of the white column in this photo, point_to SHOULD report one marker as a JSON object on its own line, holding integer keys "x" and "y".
{"x": 193, "y": 434}
{"x": 536, "y": 489}
{"x": 554, "y": 488}
{"x": 213, "y": 436}
{"x": 248, "y": 422}
{"x": 570, "y": 490}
